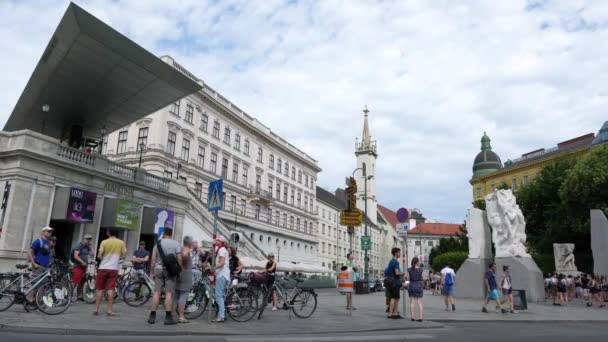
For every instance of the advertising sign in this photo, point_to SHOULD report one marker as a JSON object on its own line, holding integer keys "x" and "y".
{"x": 127, "y": 214}
{"x": 165, "y": 218}
{"x": 81, "y": 205}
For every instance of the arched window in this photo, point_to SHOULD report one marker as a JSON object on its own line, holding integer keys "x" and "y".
{"x": 261, "y": 238}
{"x": 284, "y": 242}
{"x": 277, "y": 241}
{"x": 251, "y": 236}
{"x": 269, "y": 238}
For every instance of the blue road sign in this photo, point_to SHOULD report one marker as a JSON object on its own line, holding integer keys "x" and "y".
{"x": 403, "y": 215}
{"x": 214, "y": 199}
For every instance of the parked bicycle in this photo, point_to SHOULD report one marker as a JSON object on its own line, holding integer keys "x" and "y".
{"x": 241, "y": 303}
{"x": 301, "y": 301}
{"x": 138, "y": 290}
{"x": 50, "y": 295}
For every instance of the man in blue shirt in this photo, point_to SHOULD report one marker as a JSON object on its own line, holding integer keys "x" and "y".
{"x": 40, "y": 252}
{"x": 140, "y": 258}
{"x": 492, "y": 287}
{"x": 394, "y": 272}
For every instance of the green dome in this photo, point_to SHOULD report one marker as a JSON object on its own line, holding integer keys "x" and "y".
{"x": 486, "y": 161}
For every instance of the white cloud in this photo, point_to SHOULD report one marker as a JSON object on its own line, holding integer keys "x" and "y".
{"x": 434, "y": 74}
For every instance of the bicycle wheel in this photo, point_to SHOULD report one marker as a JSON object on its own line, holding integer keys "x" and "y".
{"x": 137, "y": 293}
{"x": 88, "y": 290}
{"x": 196, "y": 303}
{"x": 53, "y": 298}
{"x": 267, "y": 297}
{"x": 304, "y": 303}
{"x": 8, "y": 291}
{"x": 242, "y": 305}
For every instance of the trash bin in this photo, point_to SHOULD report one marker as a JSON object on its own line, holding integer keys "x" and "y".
{"x": 361, "y": 287}
{"x": 519, "y": 300}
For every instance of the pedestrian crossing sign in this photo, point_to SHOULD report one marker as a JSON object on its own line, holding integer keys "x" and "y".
{"x": 214, "y": 199}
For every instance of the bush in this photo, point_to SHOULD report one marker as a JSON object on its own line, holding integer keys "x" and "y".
{"x": 452, "y": 259}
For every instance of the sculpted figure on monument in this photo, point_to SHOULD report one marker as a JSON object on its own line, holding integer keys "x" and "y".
{"x": 564, "y": 257}
{"x": 508, "y": 224}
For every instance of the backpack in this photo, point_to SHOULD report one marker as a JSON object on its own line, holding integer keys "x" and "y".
{"x": 389, "y": 280}
{"x": 449, "y": 279}
{"x": 169, "y": 261}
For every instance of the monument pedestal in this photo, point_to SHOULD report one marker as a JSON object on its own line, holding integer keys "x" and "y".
{"x": 525, "y": 275}
{"x": 470, "y": 279}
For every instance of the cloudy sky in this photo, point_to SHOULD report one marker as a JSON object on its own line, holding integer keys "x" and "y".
{"x": 435, "y": 75}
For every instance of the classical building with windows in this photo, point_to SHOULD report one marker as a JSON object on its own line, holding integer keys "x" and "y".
{"x": 90, "y": 80}
{"x": 489, "y": 172}
{"x": 422, "y": 238}
{"x": 269, "y": 184}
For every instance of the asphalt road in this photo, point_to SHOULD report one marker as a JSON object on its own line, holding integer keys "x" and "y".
{"x": 453, "y": 332}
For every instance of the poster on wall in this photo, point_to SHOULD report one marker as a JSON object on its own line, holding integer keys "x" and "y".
{"x": 165, "y": 218}
{"x": 81, "y": 205}
{"x": 127, "y": 214}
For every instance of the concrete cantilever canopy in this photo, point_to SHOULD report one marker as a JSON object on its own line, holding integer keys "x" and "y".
{"x": 93, "y": 76}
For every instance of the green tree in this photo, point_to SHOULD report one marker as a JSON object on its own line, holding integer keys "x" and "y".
{"x": 457, "y": 243}
{"x": 546, "y": 215}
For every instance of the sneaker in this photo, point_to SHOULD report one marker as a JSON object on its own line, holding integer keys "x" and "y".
{"x": 169, "y": 320}
{"x": 453, "y": 307}
{"x": 513, "y": 311}
{"x": 152, "y": 318}
{"x": 484, "y": 310}
{"x": 503, "y": 311}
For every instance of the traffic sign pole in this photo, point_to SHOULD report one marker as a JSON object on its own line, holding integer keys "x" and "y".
{"x": 215, "y": 202}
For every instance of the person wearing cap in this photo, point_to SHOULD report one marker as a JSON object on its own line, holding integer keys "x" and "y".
{"x": 222, "y": 276}
{"x": 140, "y": 258}
{"x": 79, "y": 256}
{"x": 40, "y": 252}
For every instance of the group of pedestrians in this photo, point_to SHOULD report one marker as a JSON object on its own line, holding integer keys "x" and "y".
{"x": 562, "y": 289}
{"x": 393, "y": 282}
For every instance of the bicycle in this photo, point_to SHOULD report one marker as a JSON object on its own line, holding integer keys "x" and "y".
{"x": 49, "y": 291}
{"x": 138, "y": 291}
{"x": 88, "y": 289}
{"x": 241, "y": 303}
{"x": 296, "y": 301}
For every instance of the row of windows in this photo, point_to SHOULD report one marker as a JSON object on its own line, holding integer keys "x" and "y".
{"x": 515, "y": 184}
{"x": 301, "y": 177}
{"x": 284, "y": 244}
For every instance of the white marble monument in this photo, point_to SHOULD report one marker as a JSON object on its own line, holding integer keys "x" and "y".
{"x": 564, "y": 258}
{"x": 478, "y": 232}
{"x": 509, "y": 237}
{"x": 480, "y": 256}
{"x": 508, "y": 224}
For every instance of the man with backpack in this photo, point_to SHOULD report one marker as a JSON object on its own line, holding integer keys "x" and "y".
{"x": 166, "y": 266}
{"x": 448, "y": 279}
{"x": 79, "y": 256}
{"x": 40, "y": 252}
{"x": 393, "y": 280}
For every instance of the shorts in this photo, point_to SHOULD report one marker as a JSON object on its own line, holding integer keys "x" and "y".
{"x": 180, "y": 297}
{"x": 387, "y": 294}
{"x": 506, "y": 292}
{"x": 77, "y": 274}
{"x": 162, "y": 280}
{"x": 394, "y": 292}
{"x": 106, "y": 280}
{"x": 448, "y": 290}
{"x": 493, "y": 295}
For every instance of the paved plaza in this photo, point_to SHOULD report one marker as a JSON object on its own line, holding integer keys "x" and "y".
{"x": 330, "y": 317}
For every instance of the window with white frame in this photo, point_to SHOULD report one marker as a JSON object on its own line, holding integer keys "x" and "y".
{"x": 185, "y": 149}
{"x": 189, "y": 113}
{"x": 225, "y": 168}
{"x": 142, "y": 138}
{"x": 245, "y": 175}
{"x": 279, "y": 166}
{"x": 246, "y": 146}
{"x": 216, "y": 129}
{"x": 278, "y": 196}
{"x": 174, "y": 108}
{"x": 300, "y": 177}
{"x": 122, "y": 142}
{"x": 172, "y": 138}
{"x": 235, "y": 172}
{"x": 198, "y": 189}
{"x": 293, "y": 172}
{"x": 237, "y": 141}
{"x": 271, "y": 161}
{"x": 200, "y": 160}
{"x": 260, "y": 154}
{"x": 227, "y": 135}
{"x": 205, "y": 122}
{"x": 213, "y": 162}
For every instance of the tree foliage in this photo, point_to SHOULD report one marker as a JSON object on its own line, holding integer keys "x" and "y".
{"x": 457, "y": 243}
{"x": 453, "y": 259}
{"x": 556, "y": 204}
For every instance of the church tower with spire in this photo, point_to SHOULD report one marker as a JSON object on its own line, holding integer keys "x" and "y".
{"x": 367, "y": 154}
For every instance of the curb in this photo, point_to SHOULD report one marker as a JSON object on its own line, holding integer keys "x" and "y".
{"x": 95, "y": 332}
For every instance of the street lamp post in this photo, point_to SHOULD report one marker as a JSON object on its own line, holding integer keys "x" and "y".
{"x": 179, "y": 166}
{"x": 365, "y": 178}
{"x": 278, "y": 253}
{"x": 141, "y": 152}
{"x": 103, "y": 134}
